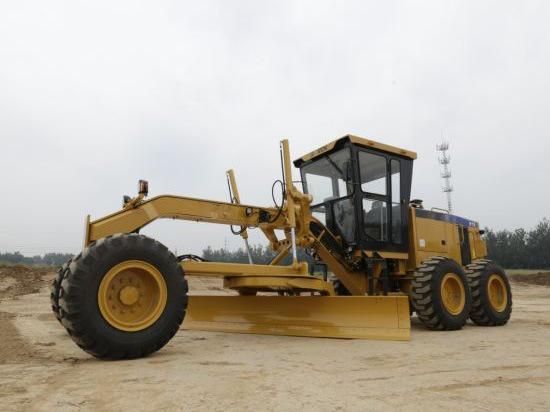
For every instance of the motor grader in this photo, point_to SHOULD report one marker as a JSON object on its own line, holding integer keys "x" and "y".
{"x": 381, "y": 254}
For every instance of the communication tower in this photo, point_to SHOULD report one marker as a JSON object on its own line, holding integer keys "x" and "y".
{"x": 445, "y": 161}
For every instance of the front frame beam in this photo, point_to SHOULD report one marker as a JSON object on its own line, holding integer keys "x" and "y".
{"x": 183, "y": 208}
{"x": 223, "y": 269}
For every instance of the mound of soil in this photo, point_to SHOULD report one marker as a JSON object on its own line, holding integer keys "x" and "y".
{"x": 541, "y": 278}
{"x": 21, "y": 280}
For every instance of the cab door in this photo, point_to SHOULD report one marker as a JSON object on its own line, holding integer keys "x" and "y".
{"x": 383, "y": 196}
{"x": 465, "y": 248}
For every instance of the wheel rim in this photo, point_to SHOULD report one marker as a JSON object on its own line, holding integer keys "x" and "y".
{"x": 452, "y": 293}
{"x": 497, "y": 291}
{"x": 132, "y": 295}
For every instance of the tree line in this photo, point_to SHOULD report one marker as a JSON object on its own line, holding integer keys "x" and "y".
{"x": 521, "y": 249}
{"x": 260, "y": 255}
{"x": 49, "y": 259}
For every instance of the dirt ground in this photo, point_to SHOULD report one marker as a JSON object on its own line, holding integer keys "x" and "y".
{"x": 505, "y": 368}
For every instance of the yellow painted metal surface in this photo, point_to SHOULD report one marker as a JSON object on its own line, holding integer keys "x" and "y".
{"x": 177, "y": 207}
{"x": 355, "y": 282}
{"x": 279, "y": 284}
{"x": 361, "y": 142}
{"x": 452, "y": 293}
{"x": 429, "y": 237}
{"x": 236, "y": 198}
{"x": 222, "y": 269}
{"x": 132, "y": 295}
{"x": 289, "y": 186}
{"x": 384, "y": 254}
{"x": 497, "y": 292}
{"x": 350, "y": 317}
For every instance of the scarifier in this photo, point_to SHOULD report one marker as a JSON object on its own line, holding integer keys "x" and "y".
{"x": 377, "y": 257}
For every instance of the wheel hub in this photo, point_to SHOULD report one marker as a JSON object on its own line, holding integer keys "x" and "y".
{"x": 132, "y": 295}
{"x": 453, "y": 295}
{"x": 129, "y": 295}
{"x": 496, "y": 290}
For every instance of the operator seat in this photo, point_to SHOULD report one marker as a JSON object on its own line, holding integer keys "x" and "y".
{"x": 376, "y": 222}
{"x": 344, "y": 219}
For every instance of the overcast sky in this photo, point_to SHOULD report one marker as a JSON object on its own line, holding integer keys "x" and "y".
{"x": 95, "y": 95}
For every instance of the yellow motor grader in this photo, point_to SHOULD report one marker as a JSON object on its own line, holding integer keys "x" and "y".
{"x": 381, "y": 254}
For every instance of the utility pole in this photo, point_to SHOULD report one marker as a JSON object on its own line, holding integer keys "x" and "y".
{"x": 445, "y": 161}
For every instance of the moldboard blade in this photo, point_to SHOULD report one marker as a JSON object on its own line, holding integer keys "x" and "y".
{"x": 348, "y": 317}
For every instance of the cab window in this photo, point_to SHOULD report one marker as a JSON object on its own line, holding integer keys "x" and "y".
{"x": 373, "y": 173}
{"x": 329, "y": 177}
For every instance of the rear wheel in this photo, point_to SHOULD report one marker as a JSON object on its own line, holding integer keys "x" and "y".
{"x": 124, "y": 297}
{"x": 440, "y": 294}
{"x": 491, "y": 293}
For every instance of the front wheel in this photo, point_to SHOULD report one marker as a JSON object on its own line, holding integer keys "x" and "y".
{"x": 123, "y": 297}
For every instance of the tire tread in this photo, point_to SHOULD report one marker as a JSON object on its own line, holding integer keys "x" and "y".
{"x": 71, "y": 291}
{"x": 481, "y": 313}
{"x": 422, "y": 296}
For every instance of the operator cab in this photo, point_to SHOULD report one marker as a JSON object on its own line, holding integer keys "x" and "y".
{"x": 361, "y": 191}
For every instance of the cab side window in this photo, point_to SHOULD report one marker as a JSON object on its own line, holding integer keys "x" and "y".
{"x": 382, "y": 206}
{"x": 374, "y": 177}
{"x": 373, "y": 173}
{"x": 396, "y": 201}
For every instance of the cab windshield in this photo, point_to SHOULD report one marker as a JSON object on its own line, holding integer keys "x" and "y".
{"x": 329, "y": 177}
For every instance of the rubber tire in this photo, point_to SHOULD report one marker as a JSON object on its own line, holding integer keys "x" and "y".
{"x": 55, "y": 288}
{"x": 426, "y": 294}
{"x": 482, "y": 312}
{"x": 78, "y": 299}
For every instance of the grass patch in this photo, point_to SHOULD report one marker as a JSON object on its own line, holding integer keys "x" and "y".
{"x": 513, "y": 272}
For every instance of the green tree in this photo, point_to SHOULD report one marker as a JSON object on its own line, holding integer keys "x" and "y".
{"x": 521, "y": 249}
{"x": 538, "y": 245}
{"x": 260, "y": 255}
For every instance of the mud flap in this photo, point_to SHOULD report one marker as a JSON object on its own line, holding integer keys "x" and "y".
{"x": 348, "y": 317}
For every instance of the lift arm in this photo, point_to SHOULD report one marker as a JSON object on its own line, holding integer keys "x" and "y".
{"x": 131, "y": 219}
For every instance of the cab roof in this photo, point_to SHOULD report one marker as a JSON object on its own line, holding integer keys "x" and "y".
{"x": 370, "y": 144}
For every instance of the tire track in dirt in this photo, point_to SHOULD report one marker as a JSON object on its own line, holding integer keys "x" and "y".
{"x": 487, "y": 382}
{"x": 477, "y": 368}
{"x": 14, "y": 348}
